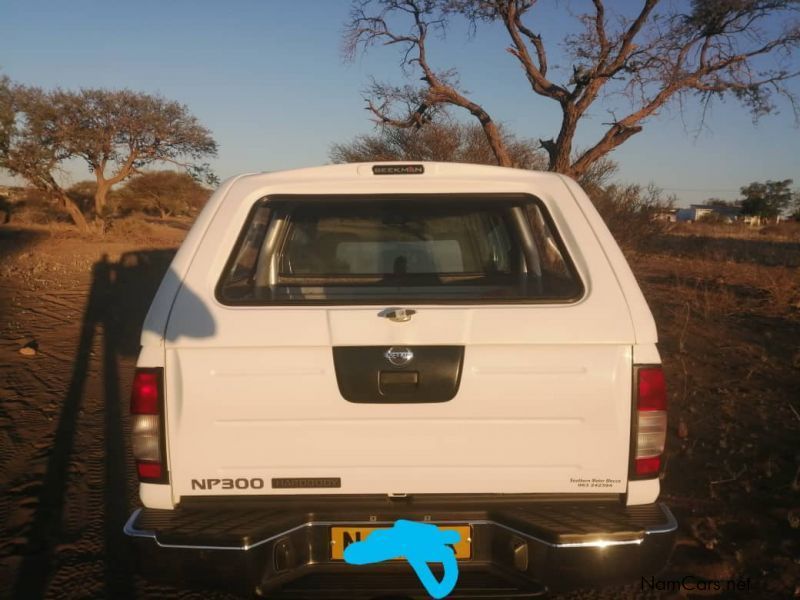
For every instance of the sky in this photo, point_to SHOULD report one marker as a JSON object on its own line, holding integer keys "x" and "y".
{"x": 269, "y": 80}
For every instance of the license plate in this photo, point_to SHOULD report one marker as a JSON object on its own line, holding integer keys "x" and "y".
{"x": 341, "y": 537}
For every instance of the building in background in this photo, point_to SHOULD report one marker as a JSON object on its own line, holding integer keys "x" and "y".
{"x": 695, "y": 212}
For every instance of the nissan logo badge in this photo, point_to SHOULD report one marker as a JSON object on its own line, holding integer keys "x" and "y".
{"x": 399, "y": 357}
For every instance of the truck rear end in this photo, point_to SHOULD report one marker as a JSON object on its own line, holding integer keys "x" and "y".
{"x": 338, "y": 348}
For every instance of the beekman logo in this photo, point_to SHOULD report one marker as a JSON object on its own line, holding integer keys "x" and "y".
{"x": 398, "y": 169}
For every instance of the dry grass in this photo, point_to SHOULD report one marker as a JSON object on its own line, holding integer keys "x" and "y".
{"x": 784, "y": 231}
{"x": 729, "y": 325}
{"x": 133, "y": 227}
{"x": 783, "y": 287}
{"x": 704, "y": 245}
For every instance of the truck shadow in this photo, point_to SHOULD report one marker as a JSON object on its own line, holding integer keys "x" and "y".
{"x": 108, "y": 343}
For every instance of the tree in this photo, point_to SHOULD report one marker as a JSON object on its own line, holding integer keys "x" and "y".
{"x": 631, "y": 211}
{"x": 796, "y": 205}
{"x": 164, "y": 192}
{"x": 720, "y": 203}
{"x": 441, "y": 141}
{"x": 30, "y": 147}
{"x": 115, "y": 133}
{"x": 6, "y": 125}
{"x": 767, "y": 200}
{"x": 659, "y": 53}
{"x": 6, "y": 114}
{"x": 450, "y": 141}
{"x": 83, "y": 193}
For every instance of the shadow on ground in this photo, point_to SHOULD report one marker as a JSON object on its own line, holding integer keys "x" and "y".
{"x": 118, "y": 301}
{"x": 14, "y": 240}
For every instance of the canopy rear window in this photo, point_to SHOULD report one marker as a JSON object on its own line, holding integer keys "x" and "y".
{"x": 340, "y": 250}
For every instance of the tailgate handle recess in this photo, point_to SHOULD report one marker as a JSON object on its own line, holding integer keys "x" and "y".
{"x": 398, "y": 382}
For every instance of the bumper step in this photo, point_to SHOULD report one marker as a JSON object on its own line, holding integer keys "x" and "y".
{"x": 214, "y": 525}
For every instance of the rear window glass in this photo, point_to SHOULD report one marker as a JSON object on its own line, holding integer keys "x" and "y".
{"x": 377, "y": 250}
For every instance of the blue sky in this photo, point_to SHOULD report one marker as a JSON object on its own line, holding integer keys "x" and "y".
{"x": 269, "y": 80}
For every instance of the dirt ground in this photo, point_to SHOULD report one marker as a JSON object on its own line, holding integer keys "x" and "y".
{"x": 730, "y": 339}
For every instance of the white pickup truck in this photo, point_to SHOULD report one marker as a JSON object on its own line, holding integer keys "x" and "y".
{"x": 337, "y": 348}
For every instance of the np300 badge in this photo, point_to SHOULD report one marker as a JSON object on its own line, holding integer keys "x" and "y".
{"x": 399, "y": 357}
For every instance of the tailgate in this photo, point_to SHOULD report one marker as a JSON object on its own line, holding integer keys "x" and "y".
{"x": 536, "y": 417}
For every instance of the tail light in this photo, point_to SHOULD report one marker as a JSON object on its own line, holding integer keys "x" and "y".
{"x": 650, "y": 427}
{"x": 147, "y": 425}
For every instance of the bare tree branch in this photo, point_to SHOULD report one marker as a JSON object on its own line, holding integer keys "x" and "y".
{"x": 647, "y": 56}
{"x": 440, "y": 89}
